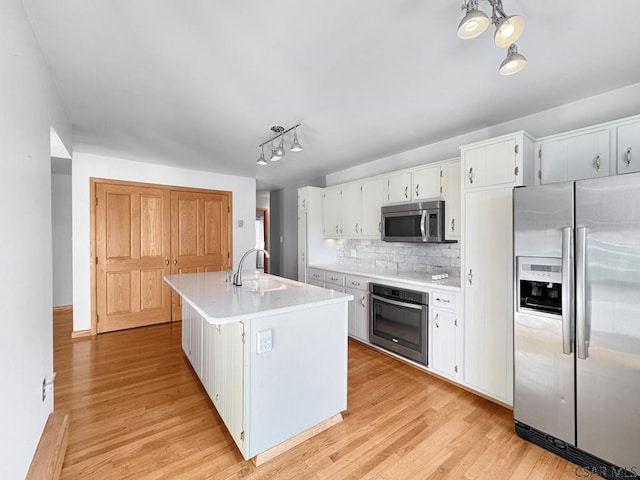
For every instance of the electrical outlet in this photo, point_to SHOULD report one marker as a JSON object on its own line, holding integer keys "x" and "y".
{"x": 265, "y": 341}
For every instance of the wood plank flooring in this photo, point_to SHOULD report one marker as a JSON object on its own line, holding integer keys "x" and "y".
{"x": 139, "y": 412}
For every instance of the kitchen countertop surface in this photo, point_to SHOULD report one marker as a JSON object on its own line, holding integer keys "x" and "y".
{"x": 411, "y": 278}
{"x": 219, "y": 301}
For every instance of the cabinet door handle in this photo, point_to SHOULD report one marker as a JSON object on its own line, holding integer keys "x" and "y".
{"x": 362, "y": 302}
{"x": 453, "y": 225}
{"x": 356, "y": 228}
{"x": 417, "y": 189}
{"x": 437, "y": 318}
{"x": 175, "y": 261}
{"x": 336, "y": 228}
{"x": 380, "y": 227}
{"x": 166, "y": 262}
{"x": 406, "y": 192}
{"x": 516, "y": 171}
{"x": 471, "y": 175}
{"x": 470, "y": 277}
{"x": 627, "y": 157}
{"x": 596, "y": 162}
{"x": 302, "y": 256}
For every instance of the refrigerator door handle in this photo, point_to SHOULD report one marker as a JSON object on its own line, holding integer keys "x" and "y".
{"x": 581, "y": 301}
{"x": 568, "y": 317}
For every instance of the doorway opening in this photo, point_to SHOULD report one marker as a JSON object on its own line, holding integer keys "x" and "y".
{"x": 262, "y": 237}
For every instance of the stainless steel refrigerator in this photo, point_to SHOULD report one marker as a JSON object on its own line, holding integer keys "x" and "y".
{"x": 577, "y": 321}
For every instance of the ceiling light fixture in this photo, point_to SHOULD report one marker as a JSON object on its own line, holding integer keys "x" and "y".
{"x": 261, "y": 159}
{"x": 278, "y": 152}
{"x": 508, "y": 30}
{"x": 514, "y": 61}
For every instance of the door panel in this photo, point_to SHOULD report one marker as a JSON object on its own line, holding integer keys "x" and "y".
{"x": 200, "y": 235}
{"x": 608, "y": 379}
{"x": 132, "y": 253}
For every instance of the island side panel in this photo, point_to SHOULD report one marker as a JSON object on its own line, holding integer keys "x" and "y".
{"x": 302, "y": 380}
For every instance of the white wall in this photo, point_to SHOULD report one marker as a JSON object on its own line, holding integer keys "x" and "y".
{"x": 61, "y": 229}
{"x": 608, "y": 106}
{"x": 30, "y": 106}
{"x": 87, "y": 165}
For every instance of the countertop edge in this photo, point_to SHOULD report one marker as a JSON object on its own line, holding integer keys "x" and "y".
{"x": 344, "y": 297}
{"x": 389, "y": 278}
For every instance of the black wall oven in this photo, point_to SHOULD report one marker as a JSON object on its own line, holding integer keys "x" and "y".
{"x": 398, "y": 321}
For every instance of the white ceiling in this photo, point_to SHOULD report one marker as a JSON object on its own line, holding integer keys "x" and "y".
{"x": 198, "y": 84}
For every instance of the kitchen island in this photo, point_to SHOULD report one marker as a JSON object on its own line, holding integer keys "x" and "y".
{"x": 271, "y": 354}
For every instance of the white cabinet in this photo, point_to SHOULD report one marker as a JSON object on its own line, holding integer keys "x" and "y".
{"x": 427, "y": 183}
{"x": 359, "y": 307}
{"x": 488, "y": 292}
{"x": 451, "y": 195}
{"x": 574, "y": 157}
{"x": 628, "y": 147}
{"x": 446, "y": 347}
{"x": 303, "y": 195}
{"x": 503, "y": 161}
{"x": 315, "y": 277}
{"x": 222, "y": 373}
{"x": 312, "y": 245}
{"x": 372, "y": 197}
{"x": 334, "y": 280}
{"x": 490, "y": 170}
{"x": 332, "y": 212}
{"x": 192, "y": 337}
{"x": 398, "y": 188}
{"x": 351, "y": 206}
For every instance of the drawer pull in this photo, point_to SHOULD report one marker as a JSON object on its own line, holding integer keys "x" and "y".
{"x": 438, "y": 299}
{"x": 627, "y": 157}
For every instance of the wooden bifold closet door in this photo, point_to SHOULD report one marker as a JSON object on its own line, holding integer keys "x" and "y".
{"x": 200, "y": 225}
{"x": 143, "y": 233}
{"x": 132, "y": 255}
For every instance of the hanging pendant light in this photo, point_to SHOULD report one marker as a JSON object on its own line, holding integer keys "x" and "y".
{"x": 295, "y": 146}
{"x": 508, "y": 30}
{"x": 280, "y": 152}
{"x": 474, "y": 22}
{"x": 262, "y": 160}
{"x": 514, "y": 61}
{"x": 274, "y": 155}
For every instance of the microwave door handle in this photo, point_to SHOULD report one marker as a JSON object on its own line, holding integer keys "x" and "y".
{"x": 423, "y": 227}
{"x": 568, "y": 315}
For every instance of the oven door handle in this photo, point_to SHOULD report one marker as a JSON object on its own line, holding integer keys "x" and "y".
{"x": 397, "y": 303}
{"x": 423, "y": 227}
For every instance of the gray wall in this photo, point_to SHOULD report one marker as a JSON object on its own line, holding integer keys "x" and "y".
{"x": 61, "y": 241}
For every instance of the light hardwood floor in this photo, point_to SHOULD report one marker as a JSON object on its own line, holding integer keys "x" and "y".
{"x": 139, "y": 412}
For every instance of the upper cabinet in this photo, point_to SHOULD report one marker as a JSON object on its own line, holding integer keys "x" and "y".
{"x": 498, "y": 162}
{"x": 427, "y": 182}
{"x": 353, "y": 209}
{"x": 303, "y": 199}
{"x": 451, "y": 196}
{"x": 332, "y": 212}
{"x": 628, "y": 147}
{"x": 574, "y": 156}
{"x": 372, "y": 197}
{"x": 398, "y": 188}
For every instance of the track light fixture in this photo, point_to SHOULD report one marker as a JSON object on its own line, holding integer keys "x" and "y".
{"x": 508, "y": 31}
{"x": 278, "y": 152}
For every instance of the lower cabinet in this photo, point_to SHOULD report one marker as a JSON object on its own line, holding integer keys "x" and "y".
{"x": 446, "y": 333}
{"x": 192, "y": 337}
{"x": 359, "y": 307}
{"x": 222, "y": 373}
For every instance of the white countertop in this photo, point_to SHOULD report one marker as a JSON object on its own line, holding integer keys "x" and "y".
{"x": 411, "y": 278}
{"x": 260, "y": 295}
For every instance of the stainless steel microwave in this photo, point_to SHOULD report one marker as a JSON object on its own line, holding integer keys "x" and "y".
{"x": 414, "y": 222}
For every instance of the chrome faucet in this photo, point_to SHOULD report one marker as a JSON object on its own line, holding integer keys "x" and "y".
{"x": 237, "y": 277}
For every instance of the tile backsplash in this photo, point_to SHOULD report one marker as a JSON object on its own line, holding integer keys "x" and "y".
{"x": 431, "y": 258}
